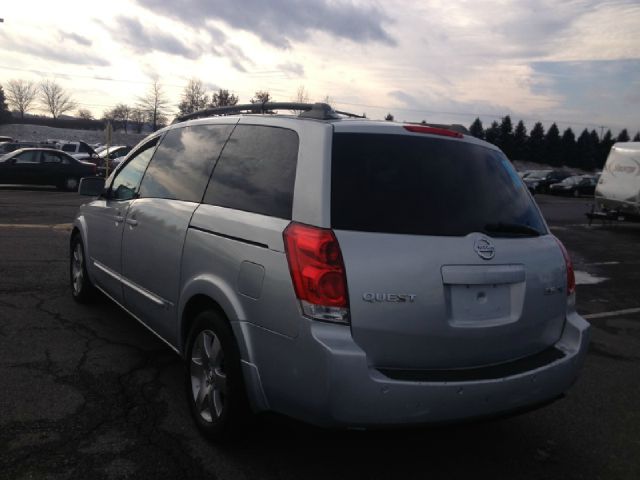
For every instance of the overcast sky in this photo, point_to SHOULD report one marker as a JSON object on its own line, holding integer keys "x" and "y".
{"x": 576, "y": 62}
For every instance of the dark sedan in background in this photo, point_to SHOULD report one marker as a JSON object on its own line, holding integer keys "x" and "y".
{"x": 539, "y": 181}
{"x": 577, "y": 185}
{"x": 44, "y": 166}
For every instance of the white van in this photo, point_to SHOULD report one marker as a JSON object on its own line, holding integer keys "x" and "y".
{"x": 619, "y": 186}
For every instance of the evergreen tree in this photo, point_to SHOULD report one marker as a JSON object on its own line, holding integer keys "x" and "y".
{"x": 492, "y": 133}
{"x": 5, "y": 114}
{"x": 605, "y": 147}
{"x": 476, "y": 128}
{"x": 623, "y": 136}
{"x": 568, "y": 148}
{"x": 535, "y": 145}
{"x": 520, "y": 141}
{"x": 505, "y": 136}
{"x": 587, "y": 151}
{"x": 637, "y": 137}
{"x": 553, "y": 147}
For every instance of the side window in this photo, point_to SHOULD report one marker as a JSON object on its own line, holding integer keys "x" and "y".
{"x": 125, "y": 184}
{"x": 68, "y": 147}
{"x": 84, "y": 148}
{"x": 31, "y": 156}
{"x": 256, "y": 171}
{"x": 183, "y": 162}
{"x": 51, "y": 157}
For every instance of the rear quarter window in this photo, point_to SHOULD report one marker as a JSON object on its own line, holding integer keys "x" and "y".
{"x": 424, "y": 186}
{"x": 256, "y": 171}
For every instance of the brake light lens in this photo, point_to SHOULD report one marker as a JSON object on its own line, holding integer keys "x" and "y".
{"x": 433, "y": 131}
{"x": 317, "y": 271}
{"x": 571, "y": 276}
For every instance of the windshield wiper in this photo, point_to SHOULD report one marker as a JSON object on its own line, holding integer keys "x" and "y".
{"x": 514, "y": 228}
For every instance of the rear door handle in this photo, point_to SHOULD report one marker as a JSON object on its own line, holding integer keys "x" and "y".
{"x": 118, "y": 218}
{"x": 132, "y": 221}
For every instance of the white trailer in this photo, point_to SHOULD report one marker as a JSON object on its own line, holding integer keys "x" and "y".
{"x": 618, "y": 190}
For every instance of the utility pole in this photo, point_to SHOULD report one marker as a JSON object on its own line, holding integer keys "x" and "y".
{"x": 601, "y": 131}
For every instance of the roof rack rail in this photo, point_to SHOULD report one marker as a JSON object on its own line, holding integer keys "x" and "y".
{"x": 319, "y": 111}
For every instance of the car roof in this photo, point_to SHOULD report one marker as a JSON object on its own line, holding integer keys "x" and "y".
{"x": 31, "y": 149}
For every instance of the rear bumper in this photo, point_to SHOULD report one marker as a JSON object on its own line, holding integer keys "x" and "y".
{"x": 327, "y": 381}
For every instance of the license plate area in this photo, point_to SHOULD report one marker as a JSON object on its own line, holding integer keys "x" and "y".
{"x": 471, "y": 305}
{"x": 483, "y": 296}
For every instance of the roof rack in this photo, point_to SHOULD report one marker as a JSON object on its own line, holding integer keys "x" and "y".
{"x": 319, "y": 111}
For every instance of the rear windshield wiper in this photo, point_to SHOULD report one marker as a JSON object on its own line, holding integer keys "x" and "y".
{"x": 513, "y": 228}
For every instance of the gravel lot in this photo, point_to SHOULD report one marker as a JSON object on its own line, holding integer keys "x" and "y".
{"x": 86, "y": 392}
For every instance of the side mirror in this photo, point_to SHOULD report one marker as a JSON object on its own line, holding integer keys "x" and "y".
{"x": 91, "y": 186}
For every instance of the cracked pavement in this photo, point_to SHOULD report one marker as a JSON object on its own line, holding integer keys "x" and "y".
{"x": 86, "y": 392}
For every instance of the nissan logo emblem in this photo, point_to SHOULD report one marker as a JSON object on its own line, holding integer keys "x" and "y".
{"x": 484, "y": 248}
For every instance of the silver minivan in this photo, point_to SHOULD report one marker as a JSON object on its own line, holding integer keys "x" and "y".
{"x": 341, "y": 271}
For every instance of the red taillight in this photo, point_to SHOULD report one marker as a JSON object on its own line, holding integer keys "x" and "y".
{"x": 571, "y": 277}
{"x": 317, "y": 271}
{"x": 433, "y": 131}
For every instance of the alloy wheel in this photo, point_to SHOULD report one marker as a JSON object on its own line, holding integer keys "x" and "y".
{"x": 208, "y": 378}
{"x": 77, "y": 268}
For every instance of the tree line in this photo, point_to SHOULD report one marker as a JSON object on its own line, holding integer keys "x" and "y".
{"x": 586, "y": 151}
{"x": 152, "y": 108}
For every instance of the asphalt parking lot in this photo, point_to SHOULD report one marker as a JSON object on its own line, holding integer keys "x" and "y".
{"x": 86, "y": 392}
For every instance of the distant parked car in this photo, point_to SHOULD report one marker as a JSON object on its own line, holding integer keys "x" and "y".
{"x": 7, "y": 147}
{"x": 6, "y": 139}
{"x": 539, "y": 181}
{"x": 115, "y": 152}
{"x": 79, "y": 150}
{"x": 575, "y": 185}
{"x": 44, "y": 166}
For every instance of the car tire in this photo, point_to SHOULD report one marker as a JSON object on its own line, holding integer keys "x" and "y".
{"x": 69, "y": 184}
{"x": 213, "y": 378}
{"x": 82, "y": 289}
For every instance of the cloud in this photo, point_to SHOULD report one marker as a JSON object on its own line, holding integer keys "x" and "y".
{"x": 296, "y": 69}
{"x": 279, "y": 22}
{"x": 79, "y": 39}
{"x": 236, "y": 56}
{"x": 49, "y": 51}
{"x": 142, "y": 39}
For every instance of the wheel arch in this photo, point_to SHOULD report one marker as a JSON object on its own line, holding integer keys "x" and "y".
{"x": 207, "y": 292}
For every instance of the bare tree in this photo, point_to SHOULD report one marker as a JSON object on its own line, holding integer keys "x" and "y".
{"x": 261, "y": 96}
{"x": 20, "y": 95}
{"x": 55, "y": 99}
{"x": 194, "y": 97}
{"x": 302, "y": 95}
{"x": 222, "y": 98}
{"x": 137, "y": 118}
{"x": 84, "y": 114}
{"x": 121, "y": 113}
{"x": 154, "y": 104}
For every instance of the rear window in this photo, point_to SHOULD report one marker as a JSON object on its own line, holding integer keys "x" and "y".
{"x": 424, "y": 186}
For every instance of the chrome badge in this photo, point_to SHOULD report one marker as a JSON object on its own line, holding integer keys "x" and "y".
{"x": 484, "y": 248}
{"x": 388, "y": 297}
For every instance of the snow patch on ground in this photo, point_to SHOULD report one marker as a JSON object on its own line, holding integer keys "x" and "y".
{"x": 585, "y": 278}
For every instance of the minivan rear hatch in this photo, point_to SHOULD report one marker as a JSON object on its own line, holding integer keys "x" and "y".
{"x": 448, "y": 261}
